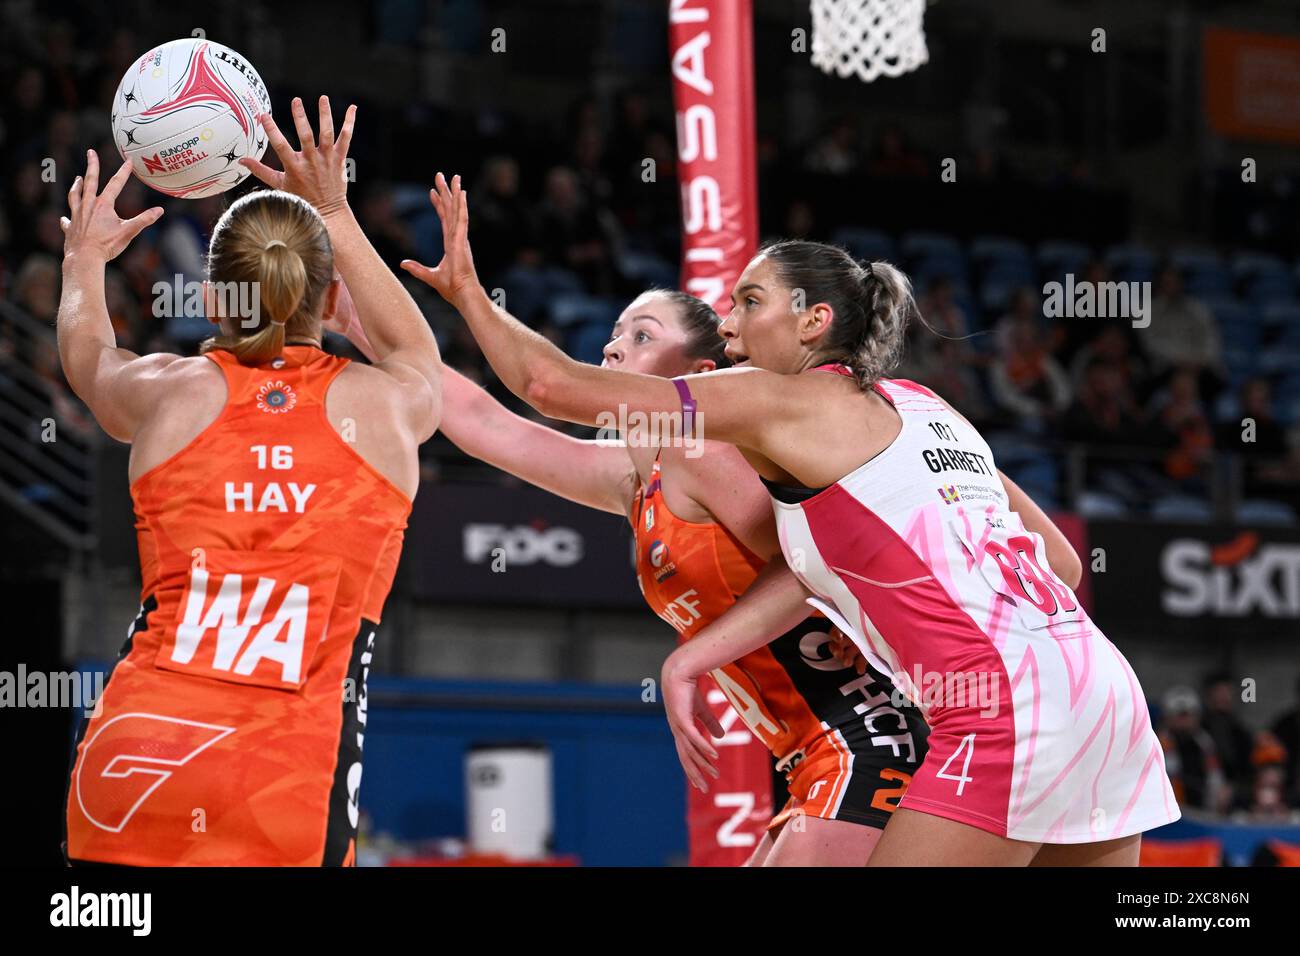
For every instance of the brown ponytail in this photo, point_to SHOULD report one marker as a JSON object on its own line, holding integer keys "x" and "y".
{"x": 271, "y": 254}
{"x": 871, "y": 304}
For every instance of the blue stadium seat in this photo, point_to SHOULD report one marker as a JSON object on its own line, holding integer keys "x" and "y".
{"x": 1263, "y": 511}
{"x": 1056, "y": 257}
{"x": 575, "y": 308}
{"x": 1188, "y": 259}
{"x": 1271, "y": 286}
{"x": 987, "y": 248}
{"x": 1020, "y": 272}
{"x": 1248, "y": 265}
{"x": 995, "y": 296}
{"x": 1280, "y": 316}
{"x": 1239, "y": 324}
{"x": 1286, "y": 399}
{"x": 941, "y": 264}
{"x": 647, "y": 269}
{"x": 865, "y": 243}
{"x": 1182, "y": 508}
{"x": 1100, "y": 504}
{"x": 1241, "y": 363}
{"x": 919, "y": 244}
{"x": 1131, "y": 262}
{"x": 1201, "y": 282}
{"x": 586, "y": 341}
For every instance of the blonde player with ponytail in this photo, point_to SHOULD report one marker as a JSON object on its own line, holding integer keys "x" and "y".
{"x": 271, "y": 483}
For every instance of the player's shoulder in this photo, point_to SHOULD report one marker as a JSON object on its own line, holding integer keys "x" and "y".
{"x": 391, "y": 388}
{"x": 907, "y": 385}
{"x": 165, "y": 371}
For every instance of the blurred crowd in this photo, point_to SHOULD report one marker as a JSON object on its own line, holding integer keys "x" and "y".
{"x": 572, "y": 219}
{"x": 1217, "y": 765}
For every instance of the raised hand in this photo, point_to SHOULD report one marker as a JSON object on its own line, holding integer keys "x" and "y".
{"x": 94, "y": 226}
{"x": 315, "y": 171}
{"x": 454, "y": 276}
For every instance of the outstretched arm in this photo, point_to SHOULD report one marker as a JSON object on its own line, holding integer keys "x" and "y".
{"x": 117, "y": 385}
{"x": 598, "y": 474}
{"x": 401, "y": 341}
{"x": 732, "y": 404}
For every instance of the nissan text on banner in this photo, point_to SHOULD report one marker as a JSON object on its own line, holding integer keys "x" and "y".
{"x": 711, "y": 44}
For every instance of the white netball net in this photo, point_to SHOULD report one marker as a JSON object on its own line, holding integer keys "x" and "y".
{"x": 868, "y": 38}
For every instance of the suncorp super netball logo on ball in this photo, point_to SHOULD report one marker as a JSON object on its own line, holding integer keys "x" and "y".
{"x": 177, "y": 157}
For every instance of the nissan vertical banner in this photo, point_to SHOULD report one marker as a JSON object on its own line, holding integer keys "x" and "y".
{"x": 713, "y": 90}
{"x": 711, "y": 44}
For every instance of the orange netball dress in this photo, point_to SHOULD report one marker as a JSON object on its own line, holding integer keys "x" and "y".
{"x": 847, "y": 751}
{"x": 231, "y": 728}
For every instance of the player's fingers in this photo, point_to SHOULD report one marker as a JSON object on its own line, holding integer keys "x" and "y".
{"x": 462, "y": 217}
{"x": 420, "y": 271}
{"x": 305, "y": 137}
{"x": 326, "y": 121}
{"x": 90, "y": 187}
{"x": 444, "y": 192}
{"x": 272, "y": 177}
{"x": 137, "y": 224}
{"x": 711, "y": 724}
{"x": 704, "y": 713}
{"x": 345, "y": 134}
{"x": 276, "y": 139}
{"x": 114, "y": 185}
{"x": 74, "y": 197}
{"x": 64, "y": 223}
{"x": 699, "y": 762}
{"x": 688, "y": 767}
{"x": 701, "y": 743}
{"x": 701, "y": 752}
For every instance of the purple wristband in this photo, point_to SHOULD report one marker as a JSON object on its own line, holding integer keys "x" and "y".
{"x": 688, "y": 406}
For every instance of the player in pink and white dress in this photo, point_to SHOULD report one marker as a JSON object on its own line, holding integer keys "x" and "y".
{"x": 1038, "y": 729}
{"x": 895, "y": 521}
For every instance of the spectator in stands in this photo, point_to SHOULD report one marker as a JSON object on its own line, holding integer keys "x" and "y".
{"x": 942, "y": 312}
{"x": 1271, "y": 466}
{"x": 1190, "y": 756}
{"x": 389, "y": 234}
{"x": 1028, "y": 384}
{"x": 1185, "y": 429}
{"x": 183, "y": 240}
{"x": 894, "y": 157}
{"x": 1268, "y": 803}
{"x": 1233, "y": 742}
{"x": 837, "y": 153}
{"x": 25, "y": 197}
{"x": 938, "y": 350}
{"x": 1107, "y": 418}
{"x": 504, "y": 233}
{"x": 70, "y": 416}
{"x": 36, "y": 287}
{"x": 1287, "y": 730}
{"x": 799, "y": 220}
{"x": 1182, "y": 332}
{"x": 1113, "y": 346}
{"x": 575, "y": 234}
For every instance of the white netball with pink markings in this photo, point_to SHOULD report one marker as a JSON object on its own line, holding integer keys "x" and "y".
{"x": 184, "y": 115}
